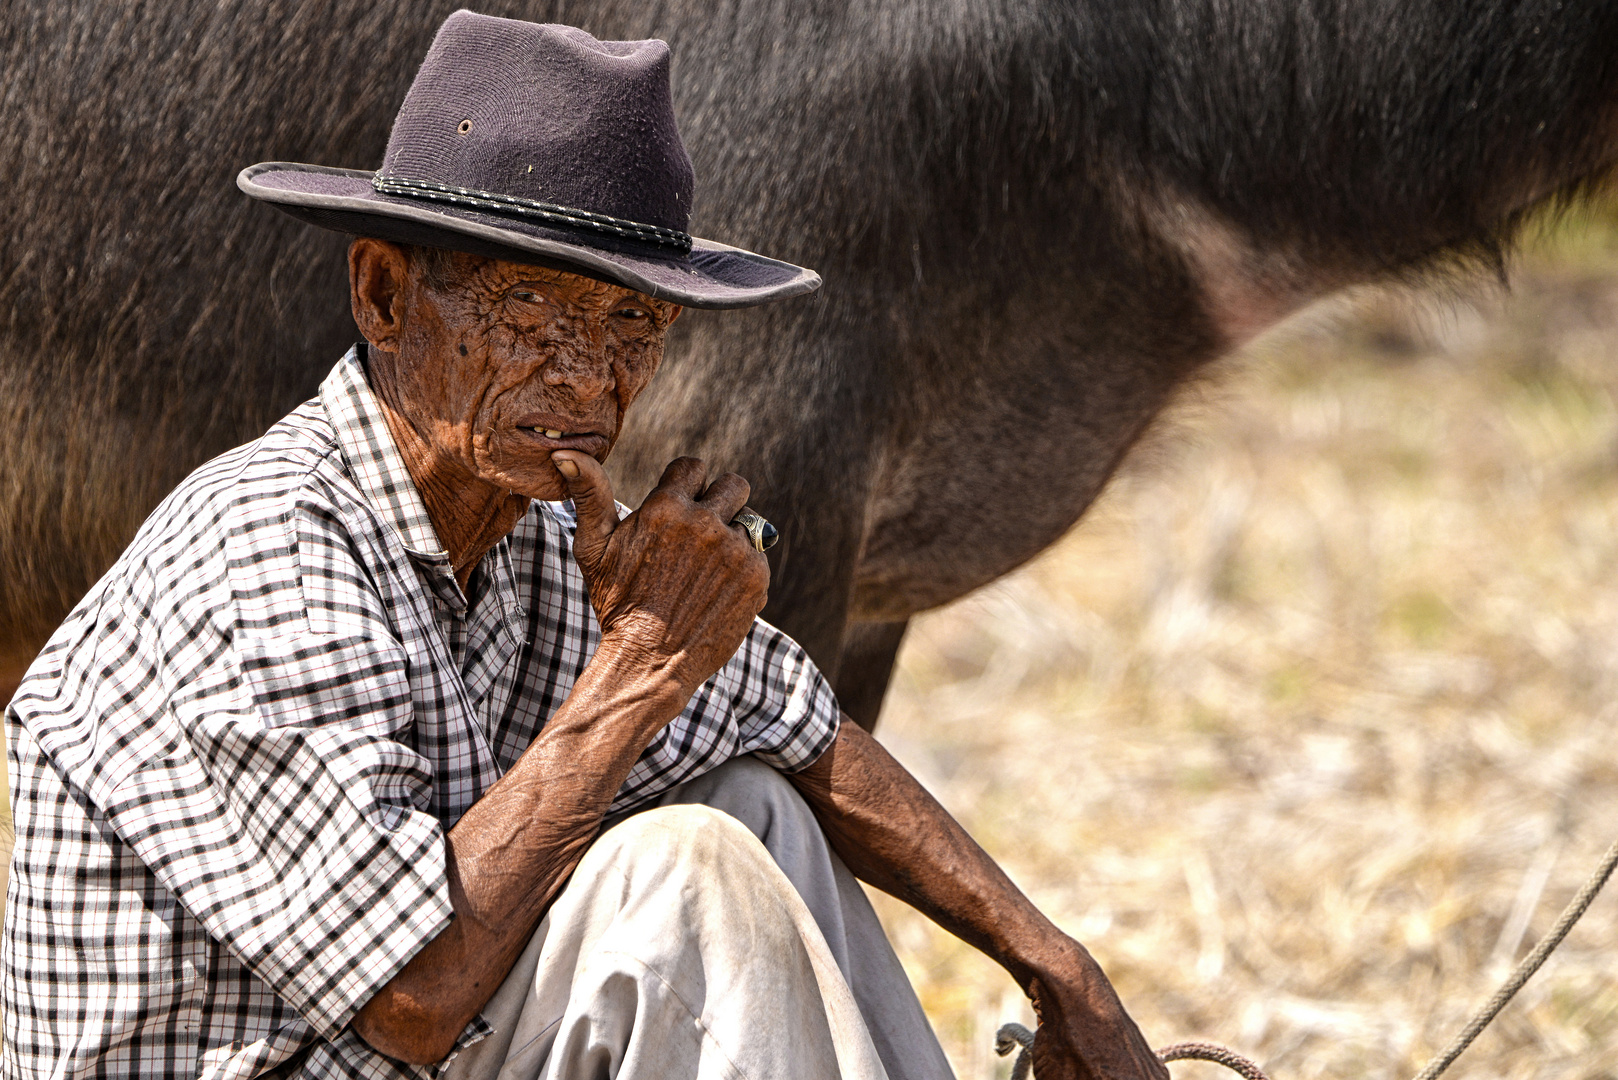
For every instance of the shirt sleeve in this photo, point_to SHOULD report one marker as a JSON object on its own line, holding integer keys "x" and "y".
{"x": 782, "y": 704}
{"x": 263, "y": 781}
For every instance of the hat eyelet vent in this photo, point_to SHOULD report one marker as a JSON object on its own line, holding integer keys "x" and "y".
{"x": 465, "y": 127}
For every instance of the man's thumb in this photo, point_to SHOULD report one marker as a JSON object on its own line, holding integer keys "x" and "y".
{"x": 591, "y": 492}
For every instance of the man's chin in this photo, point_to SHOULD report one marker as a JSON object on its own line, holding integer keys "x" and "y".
{"x": 556, "y": 492}
{"x": 524, "y": 472}
{"x": 535, "y": 484}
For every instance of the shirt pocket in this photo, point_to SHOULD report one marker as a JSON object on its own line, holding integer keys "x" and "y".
{"x": 325, "y": 680}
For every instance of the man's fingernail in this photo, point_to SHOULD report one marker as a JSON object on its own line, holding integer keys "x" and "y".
{"x": 566, "y": 467}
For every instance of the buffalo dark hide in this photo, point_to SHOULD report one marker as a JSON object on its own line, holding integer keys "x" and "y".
{"x": 1034, "y": 220}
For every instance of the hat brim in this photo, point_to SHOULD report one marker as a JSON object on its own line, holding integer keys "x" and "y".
{"x": 713, "y": 275}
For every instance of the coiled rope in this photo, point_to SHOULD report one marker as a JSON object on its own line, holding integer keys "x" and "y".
{"x": 1012, "y": 1036}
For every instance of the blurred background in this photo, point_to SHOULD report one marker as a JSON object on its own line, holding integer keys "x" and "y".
{"x": 1306, "y": 729}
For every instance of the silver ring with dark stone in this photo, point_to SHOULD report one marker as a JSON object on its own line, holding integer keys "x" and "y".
{"x": 760, "y": 532}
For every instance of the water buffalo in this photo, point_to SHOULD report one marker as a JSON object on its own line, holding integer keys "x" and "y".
{"x": 1035, "y": 219}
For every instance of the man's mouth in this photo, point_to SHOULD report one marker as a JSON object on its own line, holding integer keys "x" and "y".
{"x": 589, "y": 442}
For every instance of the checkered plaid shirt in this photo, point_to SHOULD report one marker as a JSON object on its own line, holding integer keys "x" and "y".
{"x": 233, "y": 766}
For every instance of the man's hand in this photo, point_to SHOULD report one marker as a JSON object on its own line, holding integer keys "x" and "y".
{"x": 672, "y": 580}
{"x": 1084, "y": 1032}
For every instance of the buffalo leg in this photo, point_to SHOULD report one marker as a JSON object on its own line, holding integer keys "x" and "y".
{"x": 865, "y": 666}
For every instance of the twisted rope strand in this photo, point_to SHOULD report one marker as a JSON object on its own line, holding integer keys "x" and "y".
{"x": 1012, "y": 1036}
{"x": 1008, "y": 1038}
{"x": 1221, "y": 1055}
{"x": 1525, "y": 970}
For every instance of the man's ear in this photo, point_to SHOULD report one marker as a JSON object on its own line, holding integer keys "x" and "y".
{"x": 378, "y": 271}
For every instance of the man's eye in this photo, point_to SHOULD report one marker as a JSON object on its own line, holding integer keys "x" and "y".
{"x": 527, "y": 296}
{"x": 630, "y": 313}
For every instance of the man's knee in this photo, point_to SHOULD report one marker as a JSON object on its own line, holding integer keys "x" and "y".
{"x": 689, "y": 841}
{"x": 755, "y": 794}
{"x": 752, "y": 779}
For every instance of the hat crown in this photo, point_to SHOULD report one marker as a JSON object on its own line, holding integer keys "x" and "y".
{"x": 546, "y": 113}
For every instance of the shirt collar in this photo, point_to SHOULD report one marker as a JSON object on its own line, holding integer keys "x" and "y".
{"x": 373, "y": 458}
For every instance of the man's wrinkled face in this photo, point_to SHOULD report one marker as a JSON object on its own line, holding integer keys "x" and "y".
{"x": 502, "y": 363}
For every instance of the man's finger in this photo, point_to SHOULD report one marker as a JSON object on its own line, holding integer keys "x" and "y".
{"x": 591, "y": 492}
{"x": 684, "y": 476}
{"x": 725, "y": 496}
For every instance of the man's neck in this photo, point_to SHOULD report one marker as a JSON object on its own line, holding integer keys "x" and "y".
{"x": 469, "y": 514}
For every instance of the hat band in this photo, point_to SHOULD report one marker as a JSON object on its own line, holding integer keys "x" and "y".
{"x": 549, "y": 213}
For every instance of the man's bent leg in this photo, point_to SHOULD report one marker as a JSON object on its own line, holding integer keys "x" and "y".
{"x": 678, "y": 949}
{"x": 771, "y": 808}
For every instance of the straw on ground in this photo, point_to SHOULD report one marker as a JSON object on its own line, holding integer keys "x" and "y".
{"x": 1307, "y": 730}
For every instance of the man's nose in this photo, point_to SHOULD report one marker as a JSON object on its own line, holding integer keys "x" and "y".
{"x": 585, "y": 372}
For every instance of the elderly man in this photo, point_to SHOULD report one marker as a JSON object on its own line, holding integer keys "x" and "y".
{"x": 392, "y": 739}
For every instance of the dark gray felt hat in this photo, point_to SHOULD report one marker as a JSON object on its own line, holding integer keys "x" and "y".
{"x": 538, "y": 144}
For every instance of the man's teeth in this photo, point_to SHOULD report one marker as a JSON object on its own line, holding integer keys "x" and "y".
{"x": 552, "y": 433}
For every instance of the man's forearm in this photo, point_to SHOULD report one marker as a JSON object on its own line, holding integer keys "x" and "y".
{"x": 897, "y": 837}
{"x": 512, "y": 851}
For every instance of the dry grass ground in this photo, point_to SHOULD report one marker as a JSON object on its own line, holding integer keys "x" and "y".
{"x": 1307, "y": 730}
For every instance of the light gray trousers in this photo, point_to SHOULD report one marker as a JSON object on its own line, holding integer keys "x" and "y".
{"x": 714, "y": 935}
